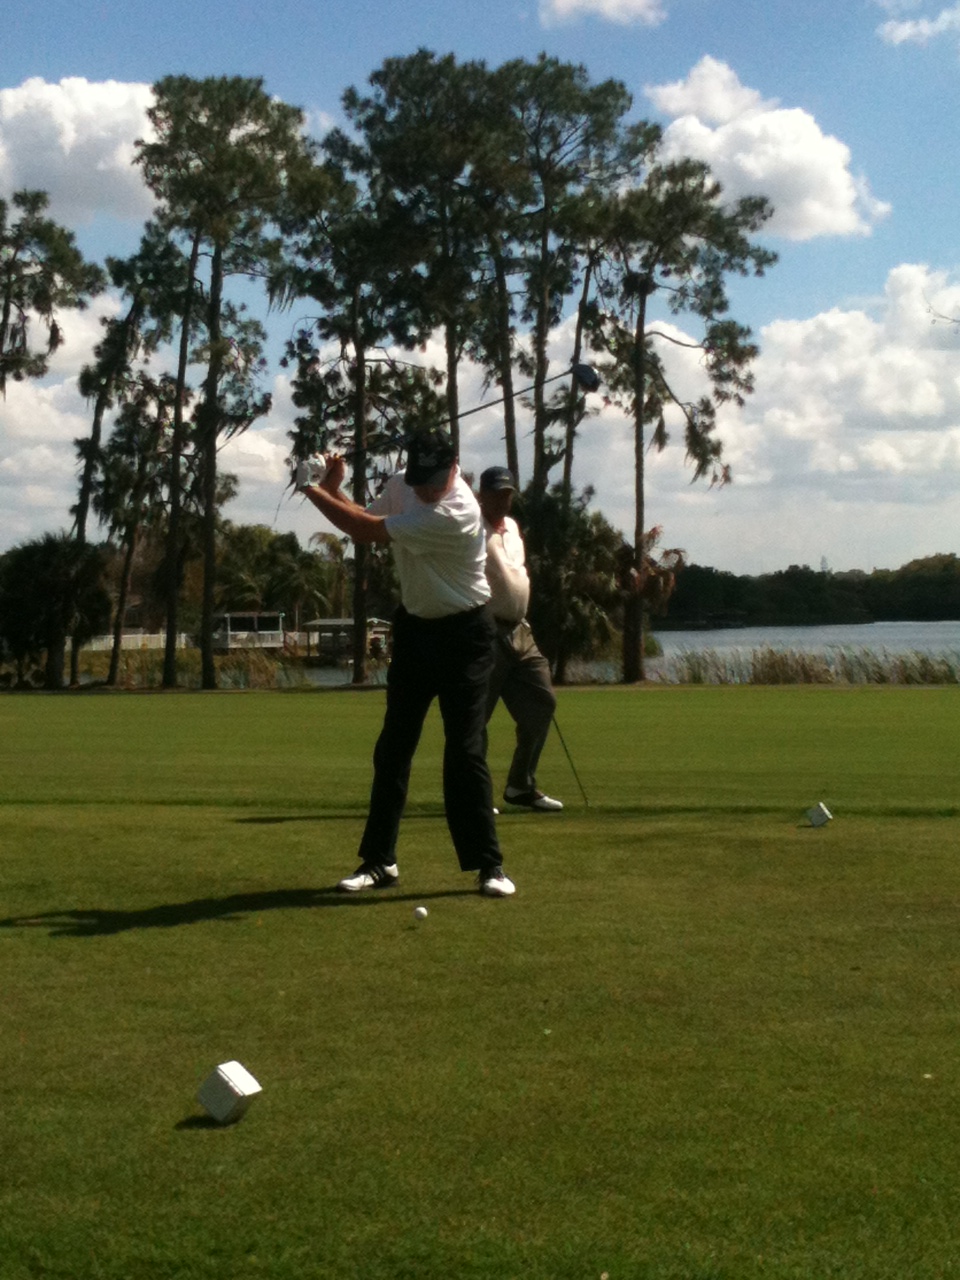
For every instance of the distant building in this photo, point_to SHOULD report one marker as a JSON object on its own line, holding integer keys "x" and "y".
{"x": 247, "y": 631}
{"x": 333, "y": 637}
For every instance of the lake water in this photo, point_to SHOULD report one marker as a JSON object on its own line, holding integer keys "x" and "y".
{"x": 879, "y": 638}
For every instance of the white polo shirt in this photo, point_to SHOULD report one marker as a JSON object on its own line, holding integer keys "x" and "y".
{"x": 507, "y": 572}
{"x": 439, "y": 548}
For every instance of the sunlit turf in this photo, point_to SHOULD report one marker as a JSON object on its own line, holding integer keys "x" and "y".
{"x": 704, "y": 1041}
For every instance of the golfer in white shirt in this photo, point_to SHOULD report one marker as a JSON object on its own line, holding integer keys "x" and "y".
{"x": 443, "y": 637}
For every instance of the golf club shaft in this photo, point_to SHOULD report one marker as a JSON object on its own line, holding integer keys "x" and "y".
{"x": 566, "y": 752}
{"x": 488, "y": 404}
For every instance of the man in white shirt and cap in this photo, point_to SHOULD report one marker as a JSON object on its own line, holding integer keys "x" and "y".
{"x": 521, "y": 674}
{"x": 443, "y": 640}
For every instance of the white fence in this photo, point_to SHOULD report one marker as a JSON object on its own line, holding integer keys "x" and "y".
{"x": 333, "y": 635}
{"x": 222, "y": 640}
{"x": 134, "y": 640}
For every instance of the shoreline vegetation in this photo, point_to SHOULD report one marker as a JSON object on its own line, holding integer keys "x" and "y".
{"x": 767, "y": 666}
{"x": 142, "y": 669}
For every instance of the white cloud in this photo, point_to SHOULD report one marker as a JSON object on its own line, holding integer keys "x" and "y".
{"x": 854, "y": 406}
{"x": 37, "y": 460}
{"x": 920, "y": 30}
{"x": 75, "y": 140}
{"x": 849, "y": 448}
{"x": 756, "y": 147}
{"x": 712, "y": 92}
{"x": 649, "y": 13}
{"x": 318, "y": 123}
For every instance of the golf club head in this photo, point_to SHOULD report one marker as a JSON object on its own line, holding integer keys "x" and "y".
{"x": 587, "y": 376}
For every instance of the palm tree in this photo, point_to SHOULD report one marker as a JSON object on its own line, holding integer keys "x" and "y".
{"x": 51, "y": 588}
{"x": 134, "y": 474}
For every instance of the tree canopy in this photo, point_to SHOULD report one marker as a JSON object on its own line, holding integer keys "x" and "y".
{"x": 481, "y": 208}
{"x": 42, "y": 274}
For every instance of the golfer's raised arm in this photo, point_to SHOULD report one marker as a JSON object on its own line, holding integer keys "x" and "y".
{"x": 346, "y": 516}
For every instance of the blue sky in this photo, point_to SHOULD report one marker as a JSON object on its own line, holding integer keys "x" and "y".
{"x": 844, "y": 115}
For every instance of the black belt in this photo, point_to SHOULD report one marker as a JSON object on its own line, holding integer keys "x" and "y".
{"x": 445, "y": 617}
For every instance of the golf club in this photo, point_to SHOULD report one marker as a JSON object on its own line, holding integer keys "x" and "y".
{"x": 566, "y": 752}
{"x": 586, "y": 376}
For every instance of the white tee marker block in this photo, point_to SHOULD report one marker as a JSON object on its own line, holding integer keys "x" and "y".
{"x": 819, "y": 815}
{"x": 227, "y": 1092}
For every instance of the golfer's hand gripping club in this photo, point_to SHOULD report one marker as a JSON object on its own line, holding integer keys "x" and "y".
{"x": 311, "y": 471}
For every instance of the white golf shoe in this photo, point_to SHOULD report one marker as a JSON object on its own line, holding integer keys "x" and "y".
{"x": 532, "y": 800}
{"x": 494, "y": 884}
{"x": 370, "y": 875}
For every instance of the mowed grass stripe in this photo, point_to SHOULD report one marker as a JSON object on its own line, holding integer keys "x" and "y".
{"x": 657, "y": 749}
{"x": 705, "y": 1040}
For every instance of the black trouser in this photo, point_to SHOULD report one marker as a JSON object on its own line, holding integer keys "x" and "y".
{"x": 449, "y": 659}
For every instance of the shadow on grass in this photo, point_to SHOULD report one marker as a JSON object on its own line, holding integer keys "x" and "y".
{"x": 199, "y": 1122}
{"x": 354, "y": 816}
{"x": 101, "y": 921}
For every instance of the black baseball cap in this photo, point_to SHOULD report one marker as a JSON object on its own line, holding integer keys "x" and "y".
{"x": 498, "y": 478}
{"x": 430, "y": 455}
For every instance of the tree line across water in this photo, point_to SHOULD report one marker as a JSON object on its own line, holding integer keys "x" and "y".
{"x": 924, "y": 590}
{"x": 49, "y": 586}
{"x": 478, "y": 206}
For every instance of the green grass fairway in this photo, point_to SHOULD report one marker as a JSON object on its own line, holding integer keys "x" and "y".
{"x": 704, "y": 1042}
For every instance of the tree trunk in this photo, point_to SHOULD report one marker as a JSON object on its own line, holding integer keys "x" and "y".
{"x": 120, "y": 352}
{"x": 74, "y": 662}
{"x": 126, "y": 578}
{"x": 574, "y": 394}
{"x": 174, "y": 556}
{"x": 56, "y": 661}
{"x": 540, "y": 335}
{"x": 209, "y": 433}
{"x": 560, "y": 665}
{"x": 633, "y": 609}
{"x": 505, "y": 360}
{"x": 83, "y": 498}
{"x": 361, "y": 551}
{"x": 453, "y": 390}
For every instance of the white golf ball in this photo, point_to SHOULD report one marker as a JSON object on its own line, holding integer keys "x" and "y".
{"x": 420, "y": 913}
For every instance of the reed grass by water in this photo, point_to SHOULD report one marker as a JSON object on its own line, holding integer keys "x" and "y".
{"x": 769, "y": 666}
{"x": 722, "y": 664}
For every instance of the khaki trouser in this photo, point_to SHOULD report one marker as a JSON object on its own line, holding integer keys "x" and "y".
{"x": 521, "y": 677}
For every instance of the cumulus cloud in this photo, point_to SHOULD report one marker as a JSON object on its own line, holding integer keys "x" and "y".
{"x": 75, "y": 140}
{"x": 756, "y": 147}
{"x": 37, "y": 427}
{"x": 920, "y": 30}
{"x": 712, "y": 92}
{"x": 649, "y": 13}
{"x": 849, "y": 448}
{"x": 860, "y": 405}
